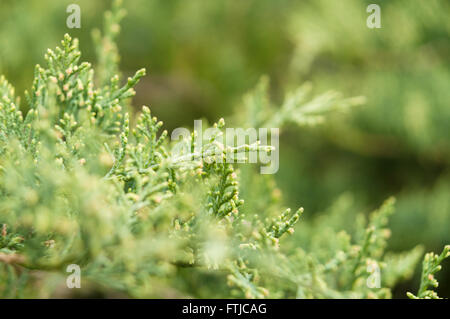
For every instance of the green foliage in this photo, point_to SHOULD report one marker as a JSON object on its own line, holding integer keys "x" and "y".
{"x": 430, "y": 266}
{"x": 147, "y": 217}
{"x": 298, "y": 108}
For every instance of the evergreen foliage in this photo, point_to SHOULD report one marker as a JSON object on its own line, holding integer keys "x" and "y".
{"x": 80, "y": 184}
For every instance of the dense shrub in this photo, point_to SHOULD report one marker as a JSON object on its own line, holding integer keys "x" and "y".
{"x": 79, "y": 184}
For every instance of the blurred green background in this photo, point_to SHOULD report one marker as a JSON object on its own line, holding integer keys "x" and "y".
{"x": 202, "y": 56}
